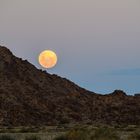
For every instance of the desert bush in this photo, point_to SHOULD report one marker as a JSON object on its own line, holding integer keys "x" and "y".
{"x": 78, "y": 135}
{"x": 130, "y": 128}
{"x": 104, "y": 134}
{"x": 29, "y": 129}
{"x": 75, "y": 134}
{"x": 86, "y": 134}
{"x": 62, "y": 137}
{"x": 6, "y": 137}
{"x": 134, "y": 136}
{"x": 32, "y": 138}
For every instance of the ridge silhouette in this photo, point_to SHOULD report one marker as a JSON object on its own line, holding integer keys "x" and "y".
{"x": 29, "y": 96}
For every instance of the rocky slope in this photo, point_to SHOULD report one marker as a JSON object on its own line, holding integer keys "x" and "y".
{"x": 29, "y": 96}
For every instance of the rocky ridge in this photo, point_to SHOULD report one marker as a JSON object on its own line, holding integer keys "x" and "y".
{"x": 29, "y": 96}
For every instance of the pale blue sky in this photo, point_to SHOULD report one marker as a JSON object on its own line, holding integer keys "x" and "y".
{"x": 97, "y": 41}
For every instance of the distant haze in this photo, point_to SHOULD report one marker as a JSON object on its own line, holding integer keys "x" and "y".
{"x": 97, "y": 41}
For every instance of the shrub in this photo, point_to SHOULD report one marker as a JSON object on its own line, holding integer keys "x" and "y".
{"x": 62, "y": 137}
{"x": 32, "y": 138}
{"x": 29, "y": 129}
{"x": 134, "y": 136}
{"x": 104, "y": 134}
{"x": 86, "y": 134}
{"x": 78, "y": 134}
{"x": 75, "y": 134}
{"x": 6, "y": 137}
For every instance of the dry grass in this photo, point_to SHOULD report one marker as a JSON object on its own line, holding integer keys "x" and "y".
{"x": 80, "y": 132}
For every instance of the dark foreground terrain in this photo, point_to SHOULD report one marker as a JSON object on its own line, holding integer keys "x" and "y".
{"x": 32, "y": 97}
{"x": 67, "y": 132}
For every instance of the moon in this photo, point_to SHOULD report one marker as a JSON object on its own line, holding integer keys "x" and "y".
{"x": 47, "y": 59}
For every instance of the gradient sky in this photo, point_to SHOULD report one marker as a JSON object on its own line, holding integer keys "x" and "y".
{"x": 97, "y": 41}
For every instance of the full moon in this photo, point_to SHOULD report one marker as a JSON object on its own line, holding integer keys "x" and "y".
{"x": 47, "y": 59}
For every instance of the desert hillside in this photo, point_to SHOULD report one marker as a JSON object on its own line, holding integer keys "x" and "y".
{"x": 29, "y": 96}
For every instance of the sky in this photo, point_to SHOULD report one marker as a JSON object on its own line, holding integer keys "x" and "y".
{"x": 97, "y": 41}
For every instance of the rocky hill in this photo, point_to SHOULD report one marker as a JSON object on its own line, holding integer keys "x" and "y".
{"x": 29, "y": 96}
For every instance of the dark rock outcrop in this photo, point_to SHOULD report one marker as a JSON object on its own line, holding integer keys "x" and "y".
{"x": 29, "y": 96}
